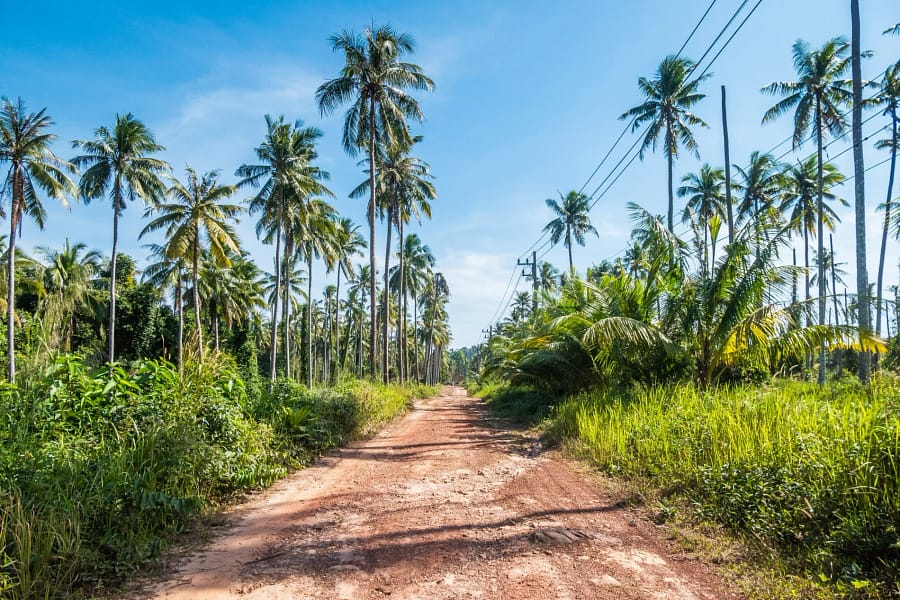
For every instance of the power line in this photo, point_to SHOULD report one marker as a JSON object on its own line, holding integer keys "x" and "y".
{"x": 728, "y": 41}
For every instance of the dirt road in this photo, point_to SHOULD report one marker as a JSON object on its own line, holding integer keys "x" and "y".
{"x": 439, "y": 505}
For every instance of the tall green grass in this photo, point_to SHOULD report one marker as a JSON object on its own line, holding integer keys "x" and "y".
{"x": 99, "y": 468}
{"x": 813, "y": 473}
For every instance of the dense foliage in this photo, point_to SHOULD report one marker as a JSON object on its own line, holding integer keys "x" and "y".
{"x": 100, "y": 467}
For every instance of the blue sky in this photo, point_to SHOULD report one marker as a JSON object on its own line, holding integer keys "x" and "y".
{"x": 527, "y": 100}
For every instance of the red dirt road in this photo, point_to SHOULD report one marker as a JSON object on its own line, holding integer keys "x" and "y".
{"x": 439, "y": 505}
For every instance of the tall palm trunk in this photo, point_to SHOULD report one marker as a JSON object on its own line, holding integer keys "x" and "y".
{"x": 837, "y": 316}
{"x": 287, "y": 264}
{"x": 273, "y": 350}
{"x": 214, "y": 310}
{"x": 111, "y": 335}
{"x": 402, "y": 346}
{"x": 387, "y": 298}
{"x": 309, "y": 331}
{"x": 727, "y": 171}
{"x": 820, "y": 241}
{"x": 196, "y": 274}
{"x": 669, "y": 159}
{"x": 859, "y": 180}
{"x": 887, "y": 222}
{"x": 806, "y": 311}
{"x": 337, "y": 325}
{"x": 373, "y": 349}
{"x": 179, "y": 306}
{"x": 15, "y": 215}
{"x": 416, "y": 336}
{"x": 569, "y": 245}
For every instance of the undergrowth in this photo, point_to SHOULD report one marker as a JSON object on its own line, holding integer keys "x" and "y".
{"x": 808, "y": 474}
{"x": 99, "y": 468}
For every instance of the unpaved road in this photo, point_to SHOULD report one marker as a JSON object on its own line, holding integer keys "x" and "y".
{"x": 439, "y": 505}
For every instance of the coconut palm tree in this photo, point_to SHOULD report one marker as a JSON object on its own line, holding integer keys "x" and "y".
{"x": 197, "y": 219}
{"x": 118, "y": 162}
{"x": 758, "y": 187}
{"x": 548, "y": 277}
{"x": 68, "y": 276}
{"x": 888, "y": 99}
{"x": 410, "y": 275}
{"x": 348, "y": 245}
{"x": 25, "y": 140}
{"x": 284, "y": 176}
{"x": 572, "y": 221}
{"x": 668, "y": 97}
{"x": 816, "y": 99}
{"x": 706, "y": 201}
{"x": 374, "y": 81}
{"x": 801, "y": 188}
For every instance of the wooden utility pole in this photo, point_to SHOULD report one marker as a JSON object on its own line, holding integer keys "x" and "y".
{"x": 727, "y": 171}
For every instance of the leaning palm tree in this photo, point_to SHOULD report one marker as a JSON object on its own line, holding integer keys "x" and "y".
{"x": 572, "y": 221}
{"x": 706, "y": 199}
{"x": 68, "y": 284}
{"x": 816, "y": 99}
{"x": 666, "y": 110}
{"x": 25, "y": 146}
{"x": 284, "y": 176}
{"x": 197, "y": 219}
{"x": 888, "y": 99}
{"x": 374, "y": 81}
{"x": 118, "y": 162}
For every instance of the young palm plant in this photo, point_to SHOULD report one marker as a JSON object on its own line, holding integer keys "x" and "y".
{"x": 25, "y": 147}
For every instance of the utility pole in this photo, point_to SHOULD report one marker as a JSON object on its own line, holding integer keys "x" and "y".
{"x": 534, "y": 280}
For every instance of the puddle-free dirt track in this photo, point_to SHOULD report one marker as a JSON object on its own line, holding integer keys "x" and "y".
{"x": 439, "y": 505}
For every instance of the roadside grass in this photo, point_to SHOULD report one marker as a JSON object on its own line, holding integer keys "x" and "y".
{"x": 522, "y": 405}
{"x": 100, "y": 468}
{"x": 809, "y": 478}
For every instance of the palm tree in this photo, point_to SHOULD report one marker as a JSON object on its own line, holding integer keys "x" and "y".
{"x": 816, "y": 99}
{"x": 438, "y": 295}
{"x": 285, "y": 175}
{"x": 706, "y": 200}
{"x": 68, "y": 283}
{"x": 118, "y": 162}
{"x": 801, "y": 187}
{"x": 572, "y": 221}
{"x": 668, "y": 98}
{"x": 374, "y": 80}
{"x": 548, "y": 277}
{"x": 348, "y": 245}
{"x": 758, "y": 187}
{"x": 893, "y": 30}
{"x": 410, "y": 275}
{"x": 198, "y": 219}
{"x": 887, "y": 98}
{"x": 167, "y": 273}
{"x": 25, "y": 145}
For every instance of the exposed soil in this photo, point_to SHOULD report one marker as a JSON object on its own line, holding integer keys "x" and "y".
{"x": 442, "y": 504}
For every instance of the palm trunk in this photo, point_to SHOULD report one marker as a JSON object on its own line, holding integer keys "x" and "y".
{"x": 671, "y": 193}
{"x": 197, "y": 295}
{"x": 859, "y": 180}
{"x": 430, "y": 353}
{"x": 887, "y": 223}
{"x": 179, "y": 305}
{"x": 214, "y": 309}
{"x": 373, "y": 349}
{"x": 309, "y": 331}
{"x": 385, "y": 376}
{"x": 837, "y": 317}
{"x": 15, "y": 212}
{"x": 416, "y": 336}
{"x": 337, "y": 325}
{"x": 569, "y": 246}
{"x": 402, "y": 349}
{"x": 273, "y": 351}
{"x": 111, "y": 334}
{"x": 287, "y": 265}
{"x": 806, "y": 311}
{"x": 820, "y": 241}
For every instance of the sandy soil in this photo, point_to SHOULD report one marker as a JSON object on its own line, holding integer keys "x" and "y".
{"x": 439, "y": 505}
